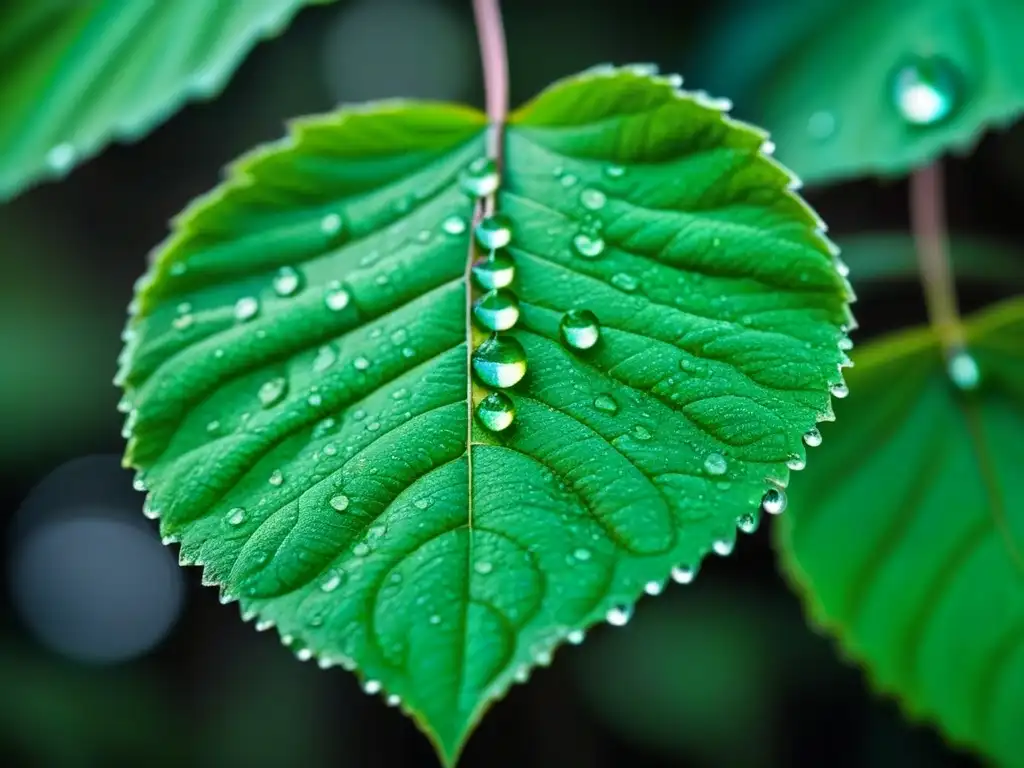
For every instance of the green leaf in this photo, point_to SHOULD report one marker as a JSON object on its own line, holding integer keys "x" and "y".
{"x": 907, "y": 535}
{"x": 78, "y": 75}
{"x": 301, "y": 402}
{"x": 836, "y": 81}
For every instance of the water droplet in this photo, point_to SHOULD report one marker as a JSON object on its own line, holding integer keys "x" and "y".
{"x": 393, "y": 700}
{"x": 582, "y": 554}
{"x": 500, "y": 361}
{"x": 774, "y": 501}
{"x": 625, "y": 282}
{"x": 498, "y": 270}
{"x": 925, "y": 90}
{"x": 587, "y": 245}
{"x": 421, "y": 503}
{"x": 654, "y": 588}
{"x": 325, "y": 358}
{"x": 235, "y": 516}
{"x": 569, "y": 180}
{"x": 330, "y": 224}
{"x": 494, "y": 231}
{"x": 592, "y": 199}
{"x": 423, "y": 236}
{"x": 614, "y": 171}
{"x": 480, "y": 178}
{"x": 362, "y": 549}
{"x": 684, "y": 574}
{"x": 287, "y": 281}
{"x": 576, "y": 636}
{"x": 497, "y": 310}
{"x": 336, "y": 298}
{"x": 723, "y": 547}
{"x": 181, "y": 322}
{"x": 821, "y": 125}
{"x": 372, "y": 687}
{"x": 332, "y": 582}
{"x": 360, "y": 363}
{"x": 641, "y": 433}
{"x": 846, "y": 343}
{"x": 715, "y": 464}
{"x": 496, "y": 411}
{"x": 483, "y": 567}
{"x": 454, "y": 225}
{"x": 340, "y": 502}
{"x": 840, "y": 390}
{"x": 276, "y": 478}
{"x": 315, "y": 399}
{"x": 271, "y": 392}
{"x": 606, "y": 403}
{"x": 748, "y": 522}
{"x": 61, "y": 157}
{"x": 434, "y": 620}
{"x": 963, "y": 371}
{"x": 619, "y": 615}
{"x": 812, "y": 437}
{"x": 580, "y": 328}
{"x": 796, "y": 462}
{"x": 246, "y": 308}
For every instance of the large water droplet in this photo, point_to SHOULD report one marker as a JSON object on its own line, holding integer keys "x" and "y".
{"x": 271, "y": 392}
{"x": 812, "y": 437}
{"x": 496, "y": 411}
{"x": 723, "y": 546}
{"x": 497, "y": 310}
{"x": 246, "y": 308}
{"x": 498, "y": 270}
{"x": 748, "y": 522}
{"x": 774, "y": 501}
{"x": 684, "y": 574}
{"x": 494, "y": 231}
{"x": 840, "y": 390}
{"x": 335, "y": 297}
{"x": 715, "y": 464}
{"x": 480, "y": 178}
{"x": 340, "y": 502}
{"x": 332, "y": 582}
{"x": 235, "y": 516}
{"x": 963, "y": 371}
{"x": 287, "y": 281}
{"x": 592, "y": 199}
{"x": 606, "y": 403}
{"x": 580, "y": 328}
{"x": 925, "y": 90}
{"x": 588, "y": 245}
{"x": 796, "y": 462}
{"x": 500, "y": 361}
{"x": 454, "y": 225}
{"x": 619, "y": 615}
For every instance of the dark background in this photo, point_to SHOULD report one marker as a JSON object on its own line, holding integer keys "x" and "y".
{"x": 109, "y": 654}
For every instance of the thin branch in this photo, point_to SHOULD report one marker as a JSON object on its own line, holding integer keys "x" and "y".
{"x": 491, "y": 34}
{"x": 928, "y": 221}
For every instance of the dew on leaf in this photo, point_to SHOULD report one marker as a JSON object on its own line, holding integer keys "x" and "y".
{"x": 796, "y": 462}
{"x": 276, "y": 478}
{"x": 494, "y": 231}
{"x": 271, "y": 392}
{"x": 361, "y": 363}
{"x": 625, "y": 282}
{"x": 315, "y": 399}
{"x": 454, "y": 225}
{"x": 846, "y": 343}
{"x": 641, "y": 433}
{"x": 496, "y": 412}
{"x": 723, "y": 546}
{"x": 497, "y": 270}
{"x": 500, "y": 361}
{"x": 580, "y": 328}
{"x": 372, "y": 687}
{"x": 774, "y": 501}
{"x": 181, "y": 322}
{"x": 287, "y": 281}
{"x": 235, "y": 516}
{"x": 812, "y": 437}
{"x": 393, "y": 700}
{"x": 61, "y": 157}
{"x": 592, "y": 199}
{"x": 483, "y": 567}
{"x": 336, "y": 298}
{"x": 340, "y": 502}
{"x": 748, "y": 522}
{"x": 963, "y": 371}
{"x": 684, "y": 574}
{"x": 362, "y": 549}
{"x": 576, "y": 636}
{"x": 325, "y": 358}
{"x": 330, "y": 224}
{"x": 614, "y": 171}
{"x": 619, "y": 615}
{"x": 569, "y": 180}
{"x": 587, "y": 245}
{"x": 480, "y": 178}
{"x": 715, "y": 464}
{"x": 839, "y": 390}
{"x": 497, "y": 310}
{"x": 332, "y": 582}
{"x": 434, "y": 620}
{"x": 606, "y": 403}
{"x": 246, "y": 308}
{"x": 925, "y": 90}
{"x": 582, "y": 554}
{"x": 654, "y": 588}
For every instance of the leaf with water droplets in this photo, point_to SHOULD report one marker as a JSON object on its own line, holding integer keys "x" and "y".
{"x": 466, "y": 474}
{"x": 77, "y": 75}
{"x": 906, "y": 532}
{"x": 873, "y": 87}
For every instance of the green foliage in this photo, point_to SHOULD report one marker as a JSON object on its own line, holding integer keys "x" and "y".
{"x": 873, "y": 87}
{"x": 80, "y": 74}
{"x": 907, "y": 534}
{"x": 298, "y": 378}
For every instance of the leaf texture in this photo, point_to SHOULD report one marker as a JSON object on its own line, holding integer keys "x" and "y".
{"x": 907, "y": 538}
{"x": 80, "y": 74}
{"x": 300, "y": 402}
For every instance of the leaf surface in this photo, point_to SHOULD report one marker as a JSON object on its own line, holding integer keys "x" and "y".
{"x": 834, "y": 81}
{"x": 298, "y": 380}
{"x": 78, "y": 75}
{"x": 907, "y": 536}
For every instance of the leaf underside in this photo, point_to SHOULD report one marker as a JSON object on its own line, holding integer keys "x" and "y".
{"x": 907, "y": 537}
{"x": 78, "y": 75}
{"x": 820, "y": 75}
{"x": 320, "y": 459}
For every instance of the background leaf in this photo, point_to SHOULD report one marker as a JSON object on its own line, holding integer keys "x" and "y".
{"x": 80, "y": 74}
{"x": 907, "y": 534}
{"x": 823, "y": 77}
{"x": 298, "y": 384}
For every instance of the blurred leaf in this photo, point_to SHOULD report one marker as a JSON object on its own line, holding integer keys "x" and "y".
{"x": 301, "y": 396}
{"x": 906, "y": 537}
{"x": 80, "y": 74}
{"x": 888, "y": 256}
{"x": 875, "y": 87}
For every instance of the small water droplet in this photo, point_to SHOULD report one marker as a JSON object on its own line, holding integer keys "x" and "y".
{"x": 619, "y": 615}
{"x": 839, "y": 390}
{"x": 497, "y": 310}
{"x": 393, "y": 700}
{"x": 315, "y": 399}
{"x": 494, "y": 231}
{"x": 654, "y": 588}
{"x": 580, "y": 328}
{"x": 641, "y": 433}
{"x": 614, "y": 171}
{"x": 480, "y": 178}
{"x": 846, "y": 343}
{"x": 483, "y": 567}
{"x": 582, "y": 554}
{"x": 569, "y": 180}
{"x": 276, "y": 478}
{"x": 723, "y": 547}
{"x": 500, "y": 361}
{"x": 236, "y": 516}
{"x": 606, "y": 403}
{"x": 372, "y": 687}
{"x": 332, "y": 582}
{"x": 434, "y": 620}
{"x": 821, "y": 125}
{"x": 361, "y": 363}
{"x": 496, "y": 411}
{"x": 61, "y": 157}
{"x": 181, "y": 322}
{"x": 592, "y": 199}
{"x": 774, "y": 501}
{"x": 340, "y": 502}
{"x": 498, "y": 270}
{"x": 335, "y": 297}
{"x": 576, "y": 636}
{"x": 246, "y": 308}
{"x": 715, "y": 464}
{"x": 796, "y": 462}
{"x": 421, "y": 503}
{"x": 326, "y": 356}
{"x": 272, "y": 391}
{"x": 625, "y": 282}
{"x": 287, "y": 281}
{"x": 748, "y": 522}
{"x": 330, "y": 224}
{"x": 684, "y": 574}
{"x": 812, "y": 437}
{"x": 963, "y": 371}
{"x": 362, "y": 549}
{"x": 925, "y": 90}
{"x": 588, "y": 245}
{"x": 454, "y": 225}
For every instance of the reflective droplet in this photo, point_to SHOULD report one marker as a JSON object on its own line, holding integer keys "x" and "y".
{"x": 614, "y": 171}
{"x": 181, "y": 322}
{"x": 748, "y": 522}
{"x": 641, "y": 432}
{"x": 587, "y": 245}
{"x": 606, "y": 403}
{"x": 715, "y": 464}
{"x": 393, "y": 700}
{"x": 246, "y": 308}
{"x": 625, "y": 282}
{"x": 500, "y": 361}
{"x": 330, "y": 224}
{"x": 497, "y": 310}
{"x": 592, "y": 199}
{"x": 331, "y": 583}
{"x": 580, "y": 328}
{"x": 480, "y": 178}
{"x": 723, "y": 547}
{"x": 619, "y": 615}
{"x": 582, "y": 554}
{"x": 276, "y": 478}
{"x": 812, "y": 437}
{"x": 840, "y": 390}
{"x": 434, "y": 620}
{"x": 796, "y": 463}
{"x": 774, "y": 501}
{"x": 361, "y": 363}
{"x": 569, "y": 180}
{"x": 576, "y": 636}
{"x": 821, "y": 125}
{"x": 454, "y": 225}
{"x": 496, "y": 411}
{"x": 498, "y": 270}
{"x": 287, "y": 281}
{"x": 235, "y": 516}
{"x": 654, "y": 588}
{"x": 315, "y": 399}
{"x": 963, "y": 371}
{"x": 326, "y": 356}
{"x": 340, "y": 502}
{"x": 483, "y": 567}
{"x": 272, "y": 391}
{"x": 362, "y": 549}
{"x": 336, "y": 298}
{"x": 925, "y": 90}
{"x": 372, "y": 687}
{"x": 846, "y": 343}
{"x": 494, "y": 231}
{"x": 684, "y": 574}
{"x": 61, "y": 157}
